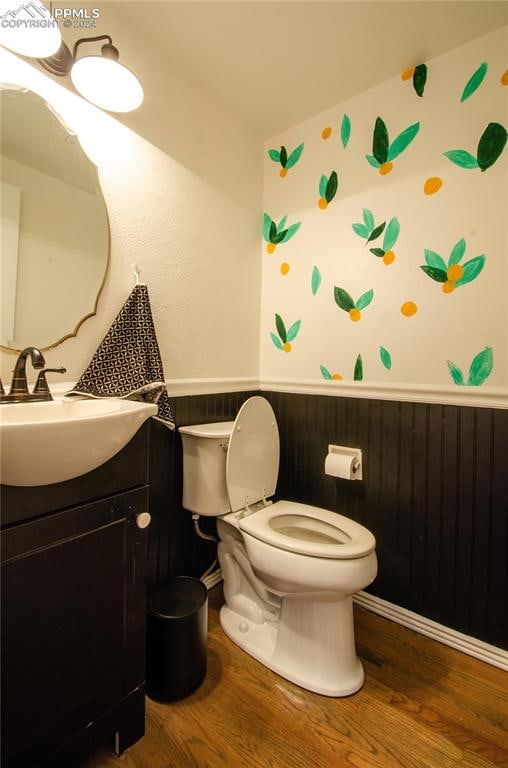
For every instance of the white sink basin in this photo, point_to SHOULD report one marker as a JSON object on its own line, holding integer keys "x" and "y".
{"x": 44, "y": 443}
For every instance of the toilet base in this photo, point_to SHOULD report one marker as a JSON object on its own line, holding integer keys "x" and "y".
{"x": 312, "y": 644}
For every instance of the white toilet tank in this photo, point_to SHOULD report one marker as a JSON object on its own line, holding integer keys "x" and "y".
{"x": 204, "y": 468}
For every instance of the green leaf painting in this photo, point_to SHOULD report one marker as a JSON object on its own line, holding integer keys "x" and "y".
{"x": 328, "y": 186}
{"x": 294, "y": 156}
{"x": 461, "y": 158}
{"x": 490, "y": 146}
{"x": 456, "y": 373}
{"x": 474, "y": 81}
{"x": 376, "y": 232}
{"x": 479, "y": 370}
{"x": 274, "y": 234}
{"x": 354, "y": 309}
{"x": 380, "y": 141}
{"x": 282, "y": 340}
{"x": 315, "y": 280}
{"x": 386, "y": 358}
{"x": 457, "y": 253}
{"x": 361, "y": 230}
{"x": 383, "y": 153}
{"x": 391, "y": 234}
{"x": 365, "y": 299}
{"x": 358, "y": 372}
{"x": 420, "y": 78}
{"x": 325, "y": 373}
{"x": 370, "y": 231}
{"x": 278, "y": 343}
{"x": 345, "y": 130}
{"x": 435, "y": 261}
{"x": 481, "y": 367}
{"x": 368, "y": 218}
{"x": 285, "y": 160}
{"x": 343, "y": 299}
{"x": 402, "y": 141}
{"x": 293, "y": 330}
{"x": 452, "y": 275}
{"x": 439, "y": 275}
{"x": 281, "y": 328}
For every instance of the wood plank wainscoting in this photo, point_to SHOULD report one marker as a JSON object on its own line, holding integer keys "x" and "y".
{"x": 435, "y": 495}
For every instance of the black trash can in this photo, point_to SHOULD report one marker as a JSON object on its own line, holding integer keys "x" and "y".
{"x": 177, "y": 624}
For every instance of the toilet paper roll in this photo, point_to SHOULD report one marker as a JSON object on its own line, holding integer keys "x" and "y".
{"x": 341, "y": 465}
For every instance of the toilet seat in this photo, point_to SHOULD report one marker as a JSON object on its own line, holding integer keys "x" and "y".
{"x": 309, "y": 530}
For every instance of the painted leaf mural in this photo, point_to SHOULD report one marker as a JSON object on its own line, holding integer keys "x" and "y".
{"x": 481, "y": 367}
{"x": 358, "y": 372}
{"x": 274, "y": 234}
{"x": 354, "y": 309}
{"x": 452, "y": 275}
{"x": 345, "y": 131}
{"x": 283, "y": 338}
{"x": 383, "y": 153}
{"x": 325, "y": 373}
{"x": 315, "y": 280}
{"x": 328, "y": 186}
{"x": 490, "y": 147}
{"x": 474, "y": 82}
{"x": 285, "y": 160}
{"x": 479, "y": 370}
{"x": 386, "y": 358}
{"x": 371, "y": 231}
{"x": 419, "y": 77}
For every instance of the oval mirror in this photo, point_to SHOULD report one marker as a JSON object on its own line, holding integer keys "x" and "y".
{"x": 54, "y": 224}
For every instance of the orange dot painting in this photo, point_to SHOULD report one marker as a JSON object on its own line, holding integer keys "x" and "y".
{"x": 432, "y": 185}
{"x": 385, "y": 168}
{"x": 504, "y": 78}
{"x": 336, "y": 377}
{"x": 284, "y": 268}
{"x": 409, "y": 309}
{"x": 408, "y": 73}
{"x": 326, "y": 132}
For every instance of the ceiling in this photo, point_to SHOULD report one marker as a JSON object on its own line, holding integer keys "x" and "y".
{"x": 275, "y": 64}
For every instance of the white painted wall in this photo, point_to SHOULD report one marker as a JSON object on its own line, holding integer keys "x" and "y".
{"x": 470, "y": 205}
{"x": 195, "y": 236}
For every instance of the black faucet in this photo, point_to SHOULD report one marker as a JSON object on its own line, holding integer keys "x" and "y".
{"x": 18, "y": 392}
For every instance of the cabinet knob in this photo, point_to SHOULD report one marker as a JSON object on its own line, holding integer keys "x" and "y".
{"x": 143, "y": 519}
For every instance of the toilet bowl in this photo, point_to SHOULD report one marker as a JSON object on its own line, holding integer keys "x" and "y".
{"x": 289, "y": 569}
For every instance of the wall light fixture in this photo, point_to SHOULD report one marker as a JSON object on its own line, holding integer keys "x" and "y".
{"x": 102, "y": 80}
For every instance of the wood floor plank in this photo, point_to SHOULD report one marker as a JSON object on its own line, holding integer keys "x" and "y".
{"x": 423, "y": 705}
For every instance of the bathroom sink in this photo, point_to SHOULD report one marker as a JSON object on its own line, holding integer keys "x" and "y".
{"x": 49, "y": 442}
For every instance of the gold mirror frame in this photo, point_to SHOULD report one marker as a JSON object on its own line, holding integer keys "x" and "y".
{"x": 93, "y": 312}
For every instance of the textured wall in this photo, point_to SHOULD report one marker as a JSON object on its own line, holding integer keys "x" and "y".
{"x": 194, "y": 236}
{"x": 455, "y": 319}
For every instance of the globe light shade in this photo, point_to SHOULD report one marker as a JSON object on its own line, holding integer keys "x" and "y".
{"x": 28, "y": 29}
{"x": 107, "y": 84}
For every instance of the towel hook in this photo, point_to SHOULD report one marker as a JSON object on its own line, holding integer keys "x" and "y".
{"x": 137, "y": 273}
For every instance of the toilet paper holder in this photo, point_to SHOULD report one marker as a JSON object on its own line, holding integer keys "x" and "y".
{"x": 354, "y": 453}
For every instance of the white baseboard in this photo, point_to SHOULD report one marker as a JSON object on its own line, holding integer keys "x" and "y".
{"x": 470, "y": 645}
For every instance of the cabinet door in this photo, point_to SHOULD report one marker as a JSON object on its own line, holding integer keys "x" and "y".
{"x": 71, "y": 602}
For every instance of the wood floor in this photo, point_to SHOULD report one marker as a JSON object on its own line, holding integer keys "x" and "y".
{"x": 423, "y": 705}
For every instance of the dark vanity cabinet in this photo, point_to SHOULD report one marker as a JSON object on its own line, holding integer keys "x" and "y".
{"x": 73, "y": 570}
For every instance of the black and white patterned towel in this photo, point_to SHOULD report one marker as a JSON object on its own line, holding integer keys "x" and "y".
{"x": 128, "y": 363}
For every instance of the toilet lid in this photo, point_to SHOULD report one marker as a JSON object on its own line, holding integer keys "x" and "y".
{"x": 309, "y": 530}
{"x": 252, "y": 463}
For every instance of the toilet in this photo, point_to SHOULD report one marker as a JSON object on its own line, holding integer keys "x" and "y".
{"x": 289, "y": 569}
